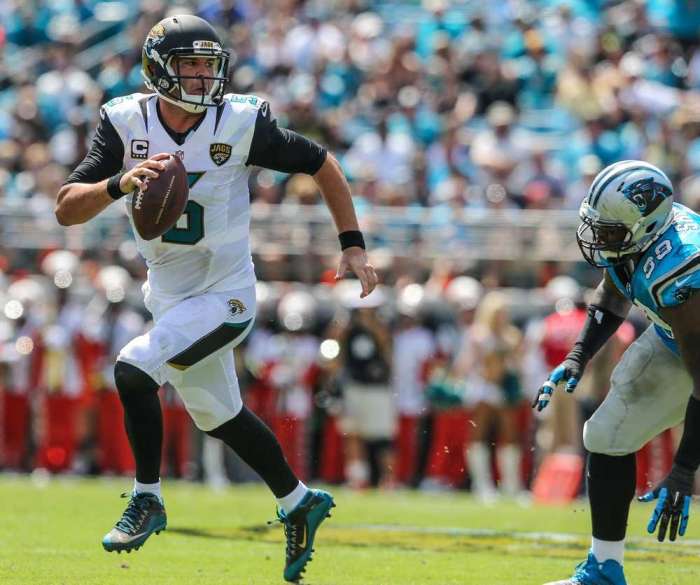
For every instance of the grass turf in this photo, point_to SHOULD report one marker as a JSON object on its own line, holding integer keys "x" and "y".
{"x": 50, "y": 535}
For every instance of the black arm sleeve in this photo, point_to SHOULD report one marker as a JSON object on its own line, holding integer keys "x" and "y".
{"x": 688, "y": 454}
{"x": 282, "y": 150}
{"x": 105, "y": 157}
{"x": 600, "y": 325}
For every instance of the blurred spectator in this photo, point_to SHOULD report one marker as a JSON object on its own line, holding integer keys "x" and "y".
{"x": 490, "y": 80}
{"x": 589, "y": 167}
{"x": 542, "y": 189}
{"x": 369, "y": 407}
{"x": 291, "y": 371}
{"x": 497, "y": 142}
{"x": 109, "y": 324}
{"x": 449, "y": 420}
{"x": 413, "y": 349}
{"x": 489, "y": 366}
{"x": 550, "y": 340}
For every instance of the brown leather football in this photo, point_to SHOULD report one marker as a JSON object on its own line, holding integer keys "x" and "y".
{"x": 160, "y": 204}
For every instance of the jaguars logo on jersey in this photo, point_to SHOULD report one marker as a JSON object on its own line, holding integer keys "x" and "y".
{"x": 220, "y": 153}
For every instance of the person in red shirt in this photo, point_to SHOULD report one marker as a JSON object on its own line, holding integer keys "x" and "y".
{"x": 559, "y": 331}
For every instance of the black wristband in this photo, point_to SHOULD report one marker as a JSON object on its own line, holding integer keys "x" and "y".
{"x": 688, "y": 454}
{"x": 351, "y": 238}
{"x": 113, "y": 188}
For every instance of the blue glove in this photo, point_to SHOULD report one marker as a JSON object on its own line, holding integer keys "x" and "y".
{"x": 570, "y": 370}
{"x": 674, "y": 495}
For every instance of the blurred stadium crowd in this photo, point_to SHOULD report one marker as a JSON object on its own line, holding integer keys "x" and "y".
{"x": 435, "y": 107}
{"x": 433, "y": 104}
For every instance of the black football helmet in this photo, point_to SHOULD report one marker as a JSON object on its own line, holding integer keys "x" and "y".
{"x": 183, "y": 36}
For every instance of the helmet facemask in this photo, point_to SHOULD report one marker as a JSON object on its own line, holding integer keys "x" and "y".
{"x": 208, "y": 97}
{"x": 604, "y": 244}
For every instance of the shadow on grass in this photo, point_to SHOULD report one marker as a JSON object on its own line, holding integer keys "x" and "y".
{"x": 417, "y": 539}
{"x": 242, "y": 533}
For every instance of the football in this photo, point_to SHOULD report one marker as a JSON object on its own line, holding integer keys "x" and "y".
{"x": 157, "y": 207}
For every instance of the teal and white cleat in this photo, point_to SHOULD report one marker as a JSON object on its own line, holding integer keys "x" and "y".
{"x": 591, "y": 572}
{"x": 300, "y": 527}
{"x": 144, "y": 515}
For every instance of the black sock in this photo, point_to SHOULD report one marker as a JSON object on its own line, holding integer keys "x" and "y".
{"x": 143, "y": 419}
{"x": 254, "y": 442}
{"x": 611, "y": 484}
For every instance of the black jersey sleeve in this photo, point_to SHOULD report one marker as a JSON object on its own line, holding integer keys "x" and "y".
{"x": 280, "y": 149}
{"x": 105, "y": 157}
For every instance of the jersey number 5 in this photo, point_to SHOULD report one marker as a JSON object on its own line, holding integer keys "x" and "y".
{"x": 190, "y": 235}
{"x": 661, "y": 251}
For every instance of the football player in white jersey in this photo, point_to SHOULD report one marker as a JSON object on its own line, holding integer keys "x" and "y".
{"x": 649, "y": 247}
{"x": 200, "y": 286}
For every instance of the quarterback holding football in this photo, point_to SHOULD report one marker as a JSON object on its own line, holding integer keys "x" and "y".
{"x": 649, "y": 248}
{"x": 200, "y": 287}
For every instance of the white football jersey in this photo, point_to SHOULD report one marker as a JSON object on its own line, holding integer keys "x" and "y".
{"x": 209, "y": 248}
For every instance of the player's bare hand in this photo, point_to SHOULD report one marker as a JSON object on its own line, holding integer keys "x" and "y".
{"x": 355, "y": 259}
{"x": 138, "y": 177}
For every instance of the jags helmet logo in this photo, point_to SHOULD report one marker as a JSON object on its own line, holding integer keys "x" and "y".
{"x": 220, "y": 153}
{"x": 646, "y": 194}
{"x": 236, "y": 307}
{"x": 155, "y": 36}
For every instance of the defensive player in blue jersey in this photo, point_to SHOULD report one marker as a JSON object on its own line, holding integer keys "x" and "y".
{"x": 649, "y": 248}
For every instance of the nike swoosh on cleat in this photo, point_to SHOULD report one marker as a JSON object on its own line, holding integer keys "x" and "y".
{"x": 131, "y": 538}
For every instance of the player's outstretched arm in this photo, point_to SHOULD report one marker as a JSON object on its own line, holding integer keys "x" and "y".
{"x": 674, "y": 493}
{"x": 284, "y": 150}
{"x": 606, "y": 313}
{"x": 336, "y": 192}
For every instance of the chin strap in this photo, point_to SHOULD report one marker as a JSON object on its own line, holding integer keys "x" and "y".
{"x": 191, "y": 108}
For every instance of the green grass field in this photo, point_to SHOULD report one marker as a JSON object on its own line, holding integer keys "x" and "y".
{"x": 50, "y": 535}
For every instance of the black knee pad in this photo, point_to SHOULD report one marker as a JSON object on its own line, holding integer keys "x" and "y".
{"x": 132, "y": 382}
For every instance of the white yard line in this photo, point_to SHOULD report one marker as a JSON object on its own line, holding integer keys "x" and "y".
{"x": 562, "y": 537}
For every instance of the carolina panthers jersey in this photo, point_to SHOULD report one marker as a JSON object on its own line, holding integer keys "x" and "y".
{"x": 208, "y": 249}
{"x": 667, "y": 273}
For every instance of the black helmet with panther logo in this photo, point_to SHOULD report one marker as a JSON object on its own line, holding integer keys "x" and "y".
{"x": 183, "y": 36}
